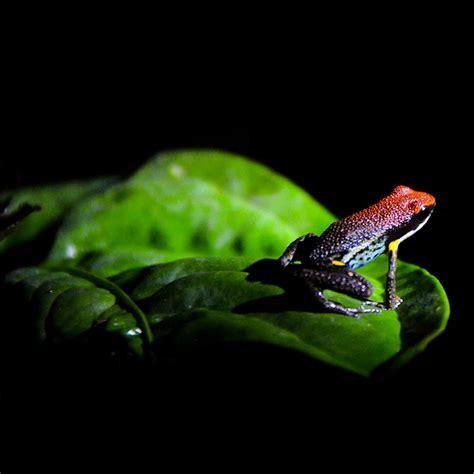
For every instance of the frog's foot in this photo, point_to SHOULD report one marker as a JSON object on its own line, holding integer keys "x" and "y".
{"x": 394, "y": 302}
{"x": 357, "y": 312}
{"x": 339, "y": 308}
{"x": 376, "y": 304}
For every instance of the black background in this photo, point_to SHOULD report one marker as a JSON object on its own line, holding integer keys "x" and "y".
{"x": 347, "y": 129}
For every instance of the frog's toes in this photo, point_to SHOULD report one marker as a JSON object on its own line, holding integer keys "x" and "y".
{"x": 376, "y": 304}
{"x": 394, "y": 303}
{"x": 352, "y": 312}
{"x": 358, "y": 312}
{"x": 372, "y": 310}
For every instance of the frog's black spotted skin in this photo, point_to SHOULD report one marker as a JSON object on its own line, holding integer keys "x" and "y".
{"x": 327, "y": 261}
{"x": 348, "y": 282}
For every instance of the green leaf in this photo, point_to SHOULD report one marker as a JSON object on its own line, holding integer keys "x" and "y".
{"x": 9, "y": 221}
{"x": 197, "y": 302}
{"x": 54, "y": 200}
{"x": 116, "y": 269}
{"x": 391, "y": 338}
{"x": 118, "y": 260}
{"x": 197, "y": 203}
{"x": 358, "y": 346}
{"x": 64, "y": 306}
{"x": 145, "y": 282}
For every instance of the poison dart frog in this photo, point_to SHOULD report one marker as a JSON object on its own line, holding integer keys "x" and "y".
{"x": 328, "y": 261}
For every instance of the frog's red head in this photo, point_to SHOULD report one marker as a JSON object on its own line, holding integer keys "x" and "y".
{"x": 397, "y": 216}
{"x": 414, "y": 202}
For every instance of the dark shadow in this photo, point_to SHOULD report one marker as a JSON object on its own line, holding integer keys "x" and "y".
{"x": 297, "y": 297}
{"x": 30, "y": 253}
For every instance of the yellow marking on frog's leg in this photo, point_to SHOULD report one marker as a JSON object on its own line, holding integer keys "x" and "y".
{"x": 338, "y": 263}
{"x": 393, "y": 246}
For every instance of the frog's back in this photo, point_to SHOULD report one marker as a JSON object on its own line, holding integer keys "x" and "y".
{"x": 352, "y": 241}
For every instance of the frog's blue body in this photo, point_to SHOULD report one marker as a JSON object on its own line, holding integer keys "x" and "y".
{"x": 319, "y": 252}
{"x": 363, "y": 255}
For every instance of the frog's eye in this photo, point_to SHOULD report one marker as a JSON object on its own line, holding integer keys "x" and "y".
{"x": 415, "y": 207}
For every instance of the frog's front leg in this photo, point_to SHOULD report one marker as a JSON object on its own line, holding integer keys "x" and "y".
{"x": 392, "y": 301}
{"x": 291, "y": 252}
{"x": 337, "y": 279}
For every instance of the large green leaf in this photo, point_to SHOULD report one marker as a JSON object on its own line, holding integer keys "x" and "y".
{"x": 204, "y": 301}
{"x": 357, "y": 345}
{"x": 193, "y": 203}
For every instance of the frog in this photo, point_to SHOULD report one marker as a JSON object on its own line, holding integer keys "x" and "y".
{"x": 329, "y": 261}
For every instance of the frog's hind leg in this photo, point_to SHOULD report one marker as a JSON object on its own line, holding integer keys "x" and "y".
{"x": 338, "y": 279}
